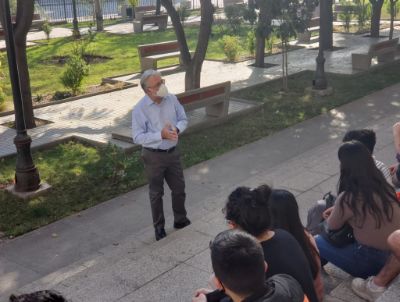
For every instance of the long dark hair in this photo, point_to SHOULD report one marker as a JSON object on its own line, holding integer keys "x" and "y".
{"x": 364, "y": 184}
{"x": 285, "y": 215}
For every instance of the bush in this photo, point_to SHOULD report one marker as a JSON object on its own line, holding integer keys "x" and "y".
{"x": 183, "y": 12}
{"x": 269, "y": 43}
{"x": 251, "y": 42}
{"x": 230, "y": 45}
{"x": 363, "y": 13}
{"x": 76, "y": 70}
{"x": 347, "y": 14}
{"x": 46, "y": 27}
{"x": 234, "y": 15}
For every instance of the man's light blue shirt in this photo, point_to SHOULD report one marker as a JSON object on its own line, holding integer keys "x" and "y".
{"x": 149, "y": 118}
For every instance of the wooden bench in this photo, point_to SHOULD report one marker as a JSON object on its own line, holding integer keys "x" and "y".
{"x": 160, "y": 20}
{"x": 232, "y": 2}
{"x": 141, "y": 11}
{"x": 214, "y": 98}
{"x": 313, "y": 26}
{"x": 149, "y": 54}
{"x": 385, "y": 51}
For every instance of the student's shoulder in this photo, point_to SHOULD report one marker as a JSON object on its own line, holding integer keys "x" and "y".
{"x": 286, "y": 288}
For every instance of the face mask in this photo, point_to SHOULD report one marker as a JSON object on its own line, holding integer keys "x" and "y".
{"x": 162, "y": 91}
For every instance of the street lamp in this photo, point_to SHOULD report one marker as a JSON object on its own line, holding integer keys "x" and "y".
{"x": 26, "y": 175}
{"x": 75, "y": 31}
{"x": 320, "y": 82}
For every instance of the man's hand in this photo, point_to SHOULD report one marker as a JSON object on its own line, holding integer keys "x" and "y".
{"x": 200, "y": 295}
{"x": 169, "y": 133}
{"x": 327, "y": 213}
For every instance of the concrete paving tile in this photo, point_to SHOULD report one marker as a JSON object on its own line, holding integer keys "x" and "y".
{"x": 392, "y": 293}
{"x": 202, "y": 261}
{"x": 211, "y": 227}
{"x": 177, "y": 285}
{"x": 13, "y": 275}
{"x": 345, "y": 293}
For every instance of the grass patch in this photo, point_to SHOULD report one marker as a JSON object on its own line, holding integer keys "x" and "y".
{"x": 122, "y": 49}
{"x": 84, "y": 176}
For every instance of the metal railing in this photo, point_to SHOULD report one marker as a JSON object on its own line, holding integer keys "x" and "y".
{"x": 61, "y": 10}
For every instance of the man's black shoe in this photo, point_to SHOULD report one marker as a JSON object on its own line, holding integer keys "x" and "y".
{"x": 160, "y": 233}
{"x": 181, "y": 225}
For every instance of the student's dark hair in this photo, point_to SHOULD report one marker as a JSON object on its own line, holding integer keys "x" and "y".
{"x": 285, "y": 215}
{"x": 249, "y": 209}
{"x": 365, "y": 136}
{"x": 362, "y": 182}
{"x": 238, "y": 262}
{"x": 39, "y": 296}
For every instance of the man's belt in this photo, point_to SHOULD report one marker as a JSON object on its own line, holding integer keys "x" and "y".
{"x": 170, "y": 150}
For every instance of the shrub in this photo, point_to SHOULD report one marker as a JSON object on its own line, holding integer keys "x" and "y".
{"x": 234, "y": 16}
{"x": 269, "y": 43}
{"x": 251, "y": 42}
{"x": 183, "y": 12}
{"x": 230, "y": 45}
{"x": 363, "y": 12}
{"x": 76, "y": 70}
{"x": 347, "y": 14}
{"x": 46, "y": 27}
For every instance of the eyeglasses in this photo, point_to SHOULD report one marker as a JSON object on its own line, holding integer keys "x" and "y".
{"x": 158, "y": 84}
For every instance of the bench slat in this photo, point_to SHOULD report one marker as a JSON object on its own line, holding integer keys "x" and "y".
{"x": 191, "y": 98}
{"x": 165, "y": 56}
{"x": 159, "y": 48}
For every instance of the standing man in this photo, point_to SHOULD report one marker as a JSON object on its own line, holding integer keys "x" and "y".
{"x": 157, "y": 121}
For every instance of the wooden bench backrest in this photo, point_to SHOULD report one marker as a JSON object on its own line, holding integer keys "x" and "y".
{"x": 232, "y": 2}
{"x": 146, "y": 8}
{"x": 314, "y": 22}
{"x": 221, "y": 90}
{"x": 158, "y": 48}
{"x": 383, "y": 45}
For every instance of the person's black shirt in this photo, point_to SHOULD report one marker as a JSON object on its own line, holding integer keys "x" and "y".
{"x": 284, "y": 255}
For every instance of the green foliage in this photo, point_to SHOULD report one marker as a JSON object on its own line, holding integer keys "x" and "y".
{"x": 133, "y": 3}
{"x": 250, "y": 14}
{"x": 363, "y": 12}
{"x": 183, "y": 12}
{"x": 347, "y": 14}
{"x": 234, "y": 16}
{"x": 230, "y": 46}
{"x": 75, "y": 72}
{"x": 251, "y": 42}
{"x": 269, "y": 43}
{"x": 46, "y": 27}
{"x": 396, "y": 5}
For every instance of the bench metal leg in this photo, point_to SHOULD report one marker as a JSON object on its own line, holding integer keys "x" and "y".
{"x": 218, "y": 110}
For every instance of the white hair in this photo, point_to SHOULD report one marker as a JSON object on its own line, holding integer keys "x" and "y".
{"x": 147, "y": 74}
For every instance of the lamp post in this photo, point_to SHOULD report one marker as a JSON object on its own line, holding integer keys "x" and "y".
{"x": 26, "y": 175}
{"x": 320, "y": 82}
{"x": 75, "y": 31}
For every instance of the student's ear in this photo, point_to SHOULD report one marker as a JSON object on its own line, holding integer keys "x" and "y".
{"x": 266, "y": 266}
{"x": 232, "y": 225}
{"x": 216, "y": 283}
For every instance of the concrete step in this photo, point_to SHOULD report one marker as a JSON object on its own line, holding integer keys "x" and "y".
{"x": 392, "y": 294}
{"x": 180, "y": 263}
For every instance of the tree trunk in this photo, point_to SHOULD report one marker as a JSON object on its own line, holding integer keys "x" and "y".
{"x": 326, "y": 27}
{"x": 260, "y": 51}
{"x": 158, "y": 7}
{"x": 99, "y": 15}
{"x": 392, "y": 15}
{"x": 376, "y": 17}
{"x": 24, "y": 19}
{"x": 192, "y": 65}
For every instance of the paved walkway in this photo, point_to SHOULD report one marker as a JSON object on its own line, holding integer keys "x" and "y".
{"x": 107, "y": 253}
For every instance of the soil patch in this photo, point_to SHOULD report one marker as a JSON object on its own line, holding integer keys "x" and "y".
{"x": 39, "y": 122}
{"x": 89, "y": 59}
{"x": 266, "y": 65}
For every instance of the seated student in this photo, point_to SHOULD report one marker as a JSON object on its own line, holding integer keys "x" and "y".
{"x": 238, "y": 263}
{"x": 371, "y": 288}
{"x": 367, "y": 202}
{"x": 39, "y": 296}
{"x": 248, "y": 210}
{"x": 368, "y": 138}
{"x": 285, "y": 215}
{"x": 395, "y": 170}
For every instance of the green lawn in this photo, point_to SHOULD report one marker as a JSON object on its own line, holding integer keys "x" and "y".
{"x": 83, "y": 176}
{"x": 121, "y": 48}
